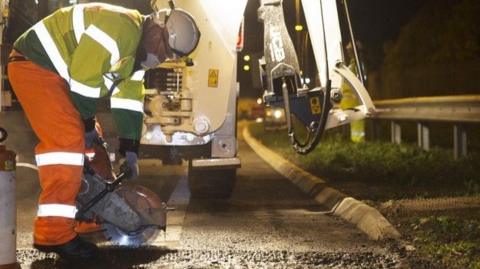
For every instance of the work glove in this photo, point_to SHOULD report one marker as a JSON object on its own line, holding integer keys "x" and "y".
{"x": 130, "y": 165}
{"x": 90, "y": 138}
{"x": 93, "y": 133}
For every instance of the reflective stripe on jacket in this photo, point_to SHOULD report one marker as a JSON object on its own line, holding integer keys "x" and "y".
{"x": 92, "y": 46}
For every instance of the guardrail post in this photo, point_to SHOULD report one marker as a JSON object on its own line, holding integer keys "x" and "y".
{"x": 459, "y": 141}
{"x": 374, "y": 130}
{"x": 396, "y": 132}
{"x": 423, "y": 136}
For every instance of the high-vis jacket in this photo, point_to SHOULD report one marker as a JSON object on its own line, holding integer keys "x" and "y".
{"x": 93, "y": 47}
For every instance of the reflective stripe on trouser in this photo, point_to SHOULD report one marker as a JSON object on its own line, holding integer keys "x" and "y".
{"x": 47, "y": 105}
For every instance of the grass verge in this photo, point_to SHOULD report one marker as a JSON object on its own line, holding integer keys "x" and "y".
{"x": 449, "y": 239}
{"x": 404, "y": 171}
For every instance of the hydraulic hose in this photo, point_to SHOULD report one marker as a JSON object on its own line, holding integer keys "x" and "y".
{"x": 313, "y": 137}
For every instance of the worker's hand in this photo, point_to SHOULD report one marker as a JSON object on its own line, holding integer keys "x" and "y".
{"x": 130, "y": 165}
{"x": 90, "y": 138}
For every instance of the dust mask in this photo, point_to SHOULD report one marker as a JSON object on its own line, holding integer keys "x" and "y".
{"x": 151, "y": 61}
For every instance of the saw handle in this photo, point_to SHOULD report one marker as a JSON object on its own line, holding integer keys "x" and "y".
{"x": 125, "y": 170}
{"x": 101, "y": 142}
{"x": 109, "y": 187}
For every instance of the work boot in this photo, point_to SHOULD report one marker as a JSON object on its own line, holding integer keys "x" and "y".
{"x": 75, "y": 249}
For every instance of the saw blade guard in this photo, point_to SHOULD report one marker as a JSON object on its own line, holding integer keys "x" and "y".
{"x": 152, "y": 212}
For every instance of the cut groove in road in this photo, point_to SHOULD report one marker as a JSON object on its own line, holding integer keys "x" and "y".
{"x": 179, "y": 200}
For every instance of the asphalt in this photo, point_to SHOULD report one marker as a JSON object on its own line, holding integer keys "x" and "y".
{"x": 267, "y": 223}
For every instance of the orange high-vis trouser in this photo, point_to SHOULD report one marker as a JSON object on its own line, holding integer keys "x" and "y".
{"x": 45, "y": 100}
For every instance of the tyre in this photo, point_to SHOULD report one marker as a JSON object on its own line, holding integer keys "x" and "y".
{"x": 211, "y": 183}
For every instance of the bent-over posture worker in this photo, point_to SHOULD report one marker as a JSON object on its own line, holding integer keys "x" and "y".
{"x": 59, "y": 69}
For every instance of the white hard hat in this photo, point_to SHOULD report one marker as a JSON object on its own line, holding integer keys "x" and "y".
{"x": 183, "y": 32}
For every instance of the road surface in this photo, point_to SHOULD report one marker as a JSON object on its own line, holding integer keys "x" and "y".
{"x": 267, "y": 223}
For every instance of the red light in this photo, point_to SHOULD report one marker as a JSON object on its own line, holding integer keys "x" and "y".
{"x": 241, "y": 34}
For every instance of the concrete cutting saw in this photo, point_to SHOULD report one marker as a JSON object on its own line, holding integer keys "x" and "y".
{"x": 129, "y": 214}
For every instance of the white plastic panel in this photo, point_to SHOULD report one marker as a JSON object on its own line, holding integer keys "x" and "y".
{"x": 226, "y": 16}
{"x": 313, "y": 15}
{"x": 219, "y": 23}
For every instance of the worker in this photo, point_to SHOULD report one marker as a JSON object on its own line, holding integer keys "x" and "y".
{"x": 350, "y": 99}
{"x": 59, "y": 69}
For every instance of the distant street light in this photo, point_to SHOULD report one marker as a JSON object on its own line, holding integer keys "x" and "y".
{"x": 246, "y": 67}
{"x": 246, "y": 58}
{"x": 259, "y": 101}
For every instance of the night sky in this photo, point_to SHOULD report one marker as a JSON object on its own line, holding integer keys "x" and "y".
{"x": 374, "y": 23}
{"x": 377, "y": 21}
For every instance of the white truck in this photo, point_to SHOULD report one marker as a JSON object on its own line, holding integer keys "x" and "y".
{"x": 191, "y": 106}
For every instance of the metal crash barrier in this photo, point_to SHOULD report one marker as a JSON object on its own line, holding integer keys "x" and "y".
{"x": 8, "y": 232}
{"x": 458, "y": 110}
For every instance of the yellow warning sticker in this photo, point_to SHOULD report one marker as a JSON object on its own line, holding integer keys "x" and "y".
{"x": 213, "y": 78}
{"x": 315, "y": 105}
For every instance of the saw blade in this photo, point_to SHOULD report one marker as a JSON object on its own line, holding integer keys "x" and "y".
{"x": 152, "y": 211}
{"x": 132, "y": 239}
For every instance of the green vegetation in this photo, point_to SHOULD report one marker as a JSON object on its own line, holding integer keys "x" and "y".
{"x": 450, "y": 240}
{"x": 380, "y": 163}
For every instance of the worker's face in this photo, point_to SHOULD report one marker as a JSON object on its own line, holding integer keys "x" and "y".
{"x": 156, "y": 46}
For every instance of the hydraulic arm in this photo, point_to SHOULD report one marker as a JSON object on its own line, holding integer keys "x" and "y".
{"x": 313, "y": 107}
